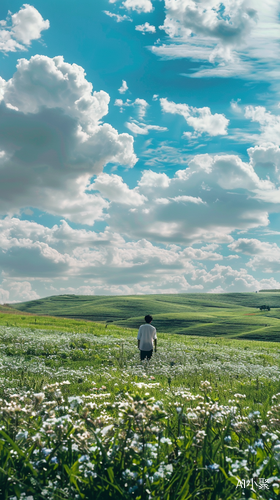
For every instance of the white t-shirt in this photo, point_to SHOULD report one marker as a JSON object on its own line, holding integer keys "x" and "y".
{"x": 146, "y": 334}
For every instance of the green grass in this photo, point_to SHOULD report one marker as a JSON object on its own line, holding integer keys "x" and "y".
{"x": 233, "y": 315}
{"x": 82, "y": 419}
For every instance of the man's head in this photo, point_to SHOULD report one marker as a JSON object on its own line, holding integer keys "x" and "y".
{"x": 148, "y": 318}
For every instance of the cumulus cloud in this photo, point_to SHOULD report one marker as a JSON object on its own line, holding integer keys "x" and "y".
{"x": 151, "y": 180}
{"x": 200, "y": 119}
{"x": 214, "y": 196}
{"x": 229, "y": 35}
{"x": 82, "y": 261}
{"x": 146, "y": 28}
{"x": 53, "y": 140}
{"x": 139, "y": 104}
{"x": 269, "y": 123}
{"x": 228, "y": 22}
{"x": 21, "y": 29}
{"x": 21, "y": 291}
{"x": 61, "y": 259}
{"x": 265, "y": 256}
{"x": 123, "y": 87}
{"x": 138, "y": 5}
{"x": 117, "y": 17}
{"x": 225, "y": 279}
{"x": 113, "y": 188}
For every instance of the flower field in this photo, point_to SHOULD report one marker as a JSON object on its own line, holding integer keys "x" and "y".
{"x": 82, "y": 418}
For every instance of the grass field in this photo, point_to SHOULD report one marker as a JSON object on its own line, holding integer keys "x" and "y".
{"x": 82, "y": 418}
{"x": 232, "y": 315}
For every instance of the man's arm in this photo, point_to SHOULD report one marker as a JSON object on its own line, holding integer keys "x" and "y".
{"x": 139, "y": 337}
{"x": 155, "y": 341}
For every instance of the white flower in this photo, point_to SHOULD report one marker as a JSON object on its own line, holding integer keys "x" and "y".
{"x": 21, "y": 435}
{"x": 166, "y": 440}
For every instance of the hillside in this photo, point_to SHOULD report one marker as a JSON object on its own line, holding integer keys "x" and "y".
{"x": 232, "y": 315}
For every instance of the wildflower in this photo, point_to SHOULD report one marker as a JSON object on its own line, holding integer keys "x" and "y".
{"x": 39, "y": 397}
{"x": 214, "y": 467}
{"x": 166, "y": 440}
{"x": 251, "y": 449}
{"x": 191, "y": 415}
{"x": 259, "y": 444}
{"x": 75, "y": 401}
{"x": 46, "y": 451}
{"x": 21, "y": 435}
{"x": 106, "y": 429}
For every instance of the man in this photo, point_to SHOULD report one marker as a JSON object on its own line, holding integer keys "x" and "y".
{"x": 147, "y": 334}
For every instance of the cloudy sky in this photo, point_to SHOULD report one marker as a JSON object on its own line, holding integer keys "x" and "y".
{"x": 139, "y": 147}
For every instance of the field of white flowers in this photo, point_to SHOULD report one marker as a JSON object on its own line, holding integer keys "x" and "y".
{"x": 82, "y": 418}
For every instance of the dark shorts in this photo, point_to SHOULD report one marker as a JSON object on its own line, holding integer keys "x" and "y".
{"x": 146, "y": 354}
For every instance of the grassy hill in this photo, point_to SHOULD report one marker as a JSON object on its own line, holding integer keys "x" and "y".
{"x": 232, "y": 315}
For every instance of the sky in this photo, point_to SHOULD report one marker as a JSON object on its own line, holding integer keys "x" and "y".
{"x": 139, "y": 147}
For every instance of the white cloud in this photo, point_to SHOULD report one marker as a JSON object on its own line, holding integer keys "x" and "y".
{"x": 225, "y": 279}
{"x": 269, "y": 123}
{"x": 200, "y": 119}
{"x": 235, "y": 106}
{"x": 22, "y": 290}
{"x": 56, "y": 141}
{"x": 146, "y": 28}
{"x": 4, "y": 296}
{"x": 229, "y": 35}
{"x": 138, "y": 5}
{"x": 138, "y": 128}
{"x": 142, "y": 106}
{"x": 27, "y": 24}
{"x": 228, "y": 22}
{"x": 151, "y": 180}
{"x": 265, "y": 256}
{"x": 89, "y": 262}
{"x": 214, "y": 196}
{"x": 188, "y": 199}
{"x": 117, "y": 17}
{"x": 139, "y": 104}
{"x": 39, "y": 261}
{"x": 24, "y": 26}
{"x": 165, "y": 153}
{"x": 123, "y": 87}
{"x": 113, "y": 188}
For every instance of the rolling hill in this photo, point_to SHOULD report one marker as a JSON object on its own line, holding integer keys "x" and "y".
{"x": 227, "y": 315}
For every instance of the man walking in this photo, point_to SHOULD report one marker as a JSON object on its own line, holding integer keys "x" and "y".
{"x": 147, "y": 334}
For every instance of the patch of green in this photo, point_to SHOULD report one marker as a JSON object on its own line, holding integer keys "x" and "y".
{"x": 82, "y": 418}
{"x": 232, "y": 315}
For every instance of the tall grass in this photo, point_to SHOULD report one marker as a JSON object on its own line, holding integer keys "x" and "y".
{"x": 82, "y": 418}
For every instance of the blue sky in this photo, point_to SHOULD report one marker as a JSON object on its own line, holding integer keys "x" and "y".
{"x": 139, "y": 147}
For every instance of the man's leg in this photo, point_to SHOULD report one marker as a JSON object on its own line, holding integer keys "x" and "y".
{"x": 143, "y": 355}
{"x": 149, "y": 354}
{"x": 146, "y": 354}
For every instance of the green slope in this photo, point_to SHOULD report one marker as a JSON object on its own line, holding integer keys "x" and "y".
{"x": 232, "y": 315}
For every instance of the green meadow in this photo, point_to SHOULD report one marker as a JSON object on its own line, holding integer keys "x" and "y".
{"x": 82, "y": 418}
{"x": 231, "y": 315}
